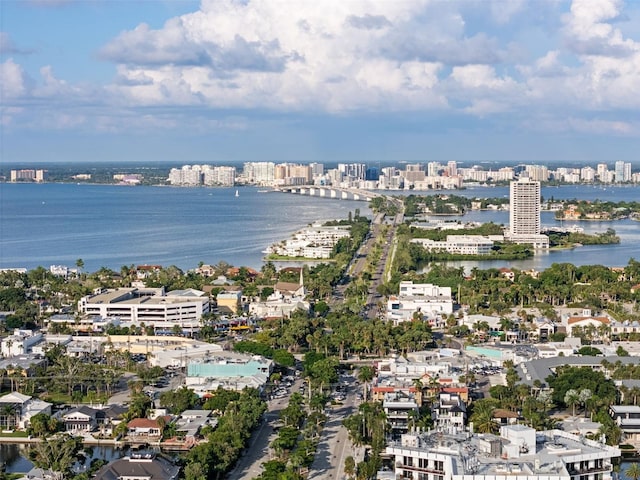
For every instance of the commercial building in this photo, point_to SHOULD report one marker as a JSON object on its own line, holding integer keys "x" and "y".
{"x": 229, "y": 370}
{"x": 152, "y": 306}
{"x": 518, "y": 453}
{"x": 424, "y": 298}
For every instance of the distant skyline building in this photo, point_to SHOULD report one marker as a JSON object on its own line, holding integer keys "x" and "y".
{"x": 28, "y": 175}
{"x": 524, "y": 213}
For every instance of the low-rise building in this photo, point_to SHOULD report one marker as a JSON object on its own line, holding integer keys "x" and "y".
{"x": 400, "y": 409}
{"x": 229, "y": 301}
{"x": 153, "y": 307}
{"x": 19, "y": 343}
{"x": 139, "y": 466}
{"x": 518, "y": 453}
{"x": 424, "y": 298}
{"x": 80, "y": 420}
{"x": 460, "y": 244}
{"x": 16, "y": 410}
{"x": 229, "y": 370}
{"x": 628, "y": 419}
{"x": 449, "y": 413}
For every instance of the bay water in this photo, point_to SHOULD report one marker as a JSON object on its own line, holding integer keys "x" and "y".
{"x": 111, "y": 226}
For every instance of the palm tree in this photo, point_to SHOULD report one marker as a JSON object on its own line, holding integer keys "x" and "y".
{"x": 571, "y": 399}
{"x": 633, "y": 471}
{"x": 365, "y": 375}
{"x": 482, "y": 417}
{"x": 350, "y": 467}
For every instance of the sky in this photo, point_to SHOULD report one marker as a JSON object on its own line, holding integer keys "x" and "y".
{"x": 225, "y": 81}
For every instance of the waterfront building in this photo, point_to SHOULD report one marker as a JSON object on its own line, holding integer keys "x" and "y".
{"x": 152, "y": 306}
{"x": 29, "y": 175}
{"x": 316, "y": 241}
{"x": 459, "y": 244}
{"x": 187, "y": 175}
{"x": 627, "y": 417}
{"x": 622, "y": 172}
{"x": 219, "y": 176}
{"x": 524, "y": 213}
{"x": 518, "y": 453}
{"x": 587, "y": 174}
{"x": 82, "y": 419}
{"x": 139, "y": 466}
{"x": 259, "y": 173}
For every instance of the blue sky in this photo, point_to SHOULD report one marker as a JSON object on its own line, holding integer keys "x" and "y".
{"x": 222, "y": 81}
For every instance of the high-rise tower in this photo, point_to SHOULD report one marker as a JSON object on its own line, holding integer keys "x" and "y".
{"x": 524, "y": 213}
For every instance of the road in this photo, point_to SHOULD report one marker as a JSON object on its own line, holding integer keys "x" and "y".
{"x": 334, "y": 445}
{"x": 249, "y": 465}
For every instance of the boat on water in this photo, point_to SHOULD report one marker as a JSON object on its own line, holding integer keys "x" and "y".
{"x": 263, "y": 191}
{"x": 237, "y": 194}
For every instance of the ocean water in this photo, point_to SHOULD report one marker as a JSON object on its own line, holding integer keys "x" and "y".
{"x": 111, "y": 226}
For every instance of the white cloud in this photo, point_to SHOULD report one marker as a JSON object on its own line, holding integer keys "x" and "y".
{"x": 363, "y": 56}
{"x": 14, "y": 80}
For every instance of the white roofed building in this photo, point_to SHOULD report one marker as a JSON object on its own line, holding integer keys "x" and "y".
{"x": 427, "y": 299}
{"x": 154, "y": 307}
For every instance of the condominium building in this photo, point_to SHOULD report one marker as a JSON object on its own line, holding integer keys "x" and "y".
{"x": 459, "y": 244}
{"x": 518, "y": 453}
{"x": 524, "y": 213}
{"x": 28, "y": 175}
{"x": 259, "y": 173}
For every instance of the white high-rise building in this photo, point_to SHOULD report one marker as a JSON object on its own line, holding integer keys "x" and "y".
{"x": 524, "y": 216}
{"x": 587, "y": 174}
{"x": 524, "y": 213}
{"x": 262, "y": 173}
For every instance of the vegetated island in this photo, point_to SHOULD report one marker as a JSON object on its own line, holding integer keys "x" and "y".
{"x": 596, "y": 210}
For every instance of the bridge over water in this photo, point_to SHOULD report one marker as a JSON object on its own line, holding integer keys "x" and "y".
{"x": 334, "y": 193}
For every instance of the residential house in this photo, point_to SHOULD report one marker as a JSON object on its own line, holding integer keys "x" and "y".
{"x": 16, "y": 410}
{"x": 449, "y": 413}
{"x": 147, "y": 429}
{"x": 139, "y": 466}
{"x": 81, "y": 419}
{"x": 628, "y": 419}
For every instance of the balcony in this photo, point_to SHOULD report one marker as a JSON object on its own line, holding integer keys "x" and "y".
{"x": 414, "y": 468}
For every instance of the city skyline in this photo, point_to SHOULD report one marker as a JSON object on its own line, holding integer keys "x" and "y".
{"x": 225, "y": 81}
